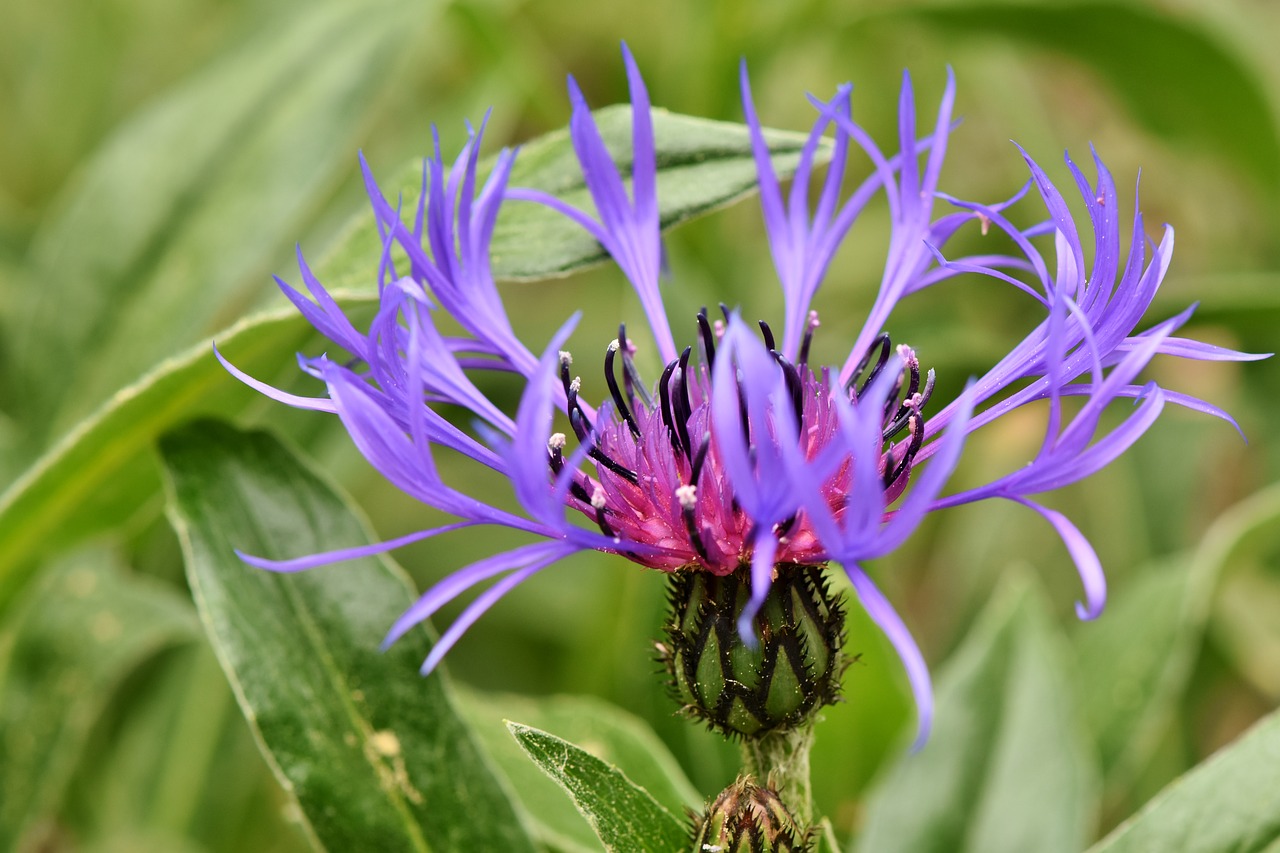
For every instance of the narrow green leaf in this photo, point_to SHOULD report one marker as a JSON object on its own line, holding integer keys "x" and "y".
{"x": 1230, "y": 802}
{"x": 374, "y": 754}
{"x": 173, "y": 758}
{"x": 63, "y": 653}
{"x": 99, "y": 474}
{"x": 1241, "y": 547}
{"x": 1134, "y": 663}
{"x": 181, "y": 216}
{"x": 1172, "y": 74}
{"x": 1006, "y": 768}
{"x": 608, "y": 732}
{"x": 625, "y": 817}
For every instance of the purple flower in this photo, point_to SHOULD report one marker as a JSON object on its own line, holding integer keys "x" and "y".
{"x": 742, "y": 452}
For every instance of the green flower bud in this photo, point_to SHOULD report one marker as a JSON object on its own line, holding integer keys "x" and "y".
{"x": 775, "y": 684}
{"x": 746, "y": 818}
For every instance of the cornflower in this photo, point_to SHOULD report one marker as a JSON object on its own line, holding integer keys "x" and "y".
{"x": 743, "y": 460}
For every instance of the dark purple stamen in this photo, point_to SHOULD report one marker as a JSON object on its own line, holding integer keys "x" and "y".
{"x": 630, "y": 376}
{"x": 804, "y": 346}
{"x": 891, "y": 402}
{"x": 768, "y": 337}
{"x": 882, "y": 343}
{"x": 579, "y": 491}
{"x": 615, "y": 391}
{"x": 699, "y": 458}
{"x": 795, "y": 386}
{"x": 583, "y": 432}
{"x": 708, "y": 340}
{"x": 914, "y": 385}
{"x": 905, "y": 412}
{"x": 604, "y": 525}
{"x": 572, "y": 405}
{"x": 664, "y": 393}
{"x": 928, "y": 388}
{"x": 691, "y": 527}
{"x": 896, "y": 425}
{"x": 680, "y": 406}
{"x": 917, "y": 438}
{"x": 565, "y": 379}
{"x": 743, "y": 415}
{"x": 578, "y": 420}
{"x": 556, "y": 459}
{"x": 621, "y": 470}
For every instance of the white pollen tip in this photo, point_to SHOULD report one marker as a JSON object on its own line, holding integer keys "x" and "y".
{"x": 687, "y": 496}
{"x": 566, "y": 357}
{"x": 613, "y": 346}
{"x": 576, "y": 385}
{"x": 597, "y": 498}
{"x": 557, "y": 441}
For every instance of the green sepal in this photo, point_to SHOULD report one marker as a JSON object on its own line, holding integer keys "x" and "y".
{"x": 753, "y": 686}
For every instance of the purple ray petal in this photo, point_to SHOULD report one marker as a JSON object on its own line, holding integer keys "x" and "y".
{"x": 481, "y": 605}
{"x": 319, "y": 404}
{"x": 311, "y": 561}
{"x": 528, "y": 453}
{"x": 1201, "y": 351}
{"x": 458, "y": 582}
{"x": 1082, "y": 553}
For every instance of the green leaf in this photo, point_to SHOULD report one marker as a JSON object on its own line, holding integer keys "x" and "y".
{"x": 1134, "y": 664}
{"x": 184, "y": 212}
{"x": 1230, "y": 802}
{"x": 63, "y": 654}
{"x": 134, "y": 776}
{"x": 374, "y": 754}
{"x": 1006, "y": 768}
{"x": 99, "y": 474}
{"x": 605, "y": 730}
{"x": 1172, "y": 74}
{"x": 625, "y": 817}
{"x": 1241, "y": 547}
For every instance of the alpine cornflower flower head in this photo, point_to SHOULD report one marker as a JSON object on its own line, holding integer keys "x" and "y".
{"x": 744, "y": 469}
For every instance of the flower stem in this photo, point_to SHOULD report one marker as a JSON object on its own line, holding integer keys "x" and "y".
{"x": 780, "y": 760}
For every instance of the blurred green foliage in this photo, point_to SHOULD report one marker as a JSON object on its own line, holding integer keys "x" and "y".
{"x": 161, "y": 159}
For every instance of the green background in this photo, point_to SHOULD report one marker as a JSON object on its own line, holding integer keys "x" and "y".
{"x": 159, "y": 161}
